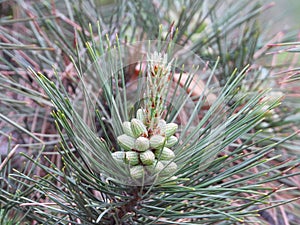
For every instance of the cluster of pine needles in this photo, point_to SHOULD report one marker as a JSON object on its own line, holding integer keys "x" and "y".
{"x": 233, "y": 88}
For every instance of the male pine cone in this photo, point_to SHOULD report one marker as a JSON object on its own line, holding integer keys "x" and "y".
{"x": 147, "y": 153}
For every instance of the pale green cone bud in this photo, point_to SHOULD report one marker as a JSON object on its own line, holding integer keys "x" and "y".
{"x": 164, "y": 154}
{"x": 171, "y": 129}
{"x": 119, "y": 156}
{"x": 155, "y": 168}
{"x": 171, "y": 141}
{"x": 147, "y": 157}
{"x": 141, "y": 144}
{"x": 126, "y": 142}
{"x": 132, "y": 158}
{"x": 138, "y": 128}
{"x": 140, "y": 115}
{"x": 127, "y": 128}
{"x": 157, "y": 141}
{"x": 137, "y": 172}
{"x": 161, "y": 127}
{"x": 169, "y": 169}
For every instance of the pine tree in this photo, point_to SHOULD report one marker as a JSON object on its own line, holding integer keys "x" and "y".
{"x": 146, "y": 112}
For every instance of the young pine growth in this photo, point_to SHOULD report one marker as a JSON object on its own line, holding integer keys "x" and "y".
{"x": 147, "y": 139}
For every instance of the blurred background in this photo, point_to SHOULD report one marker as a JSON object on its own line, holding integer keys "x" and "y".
{"x": 284, "y": 15}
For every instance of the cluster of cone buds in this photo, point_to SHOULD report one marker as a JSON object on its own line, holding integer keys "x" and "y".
{"x": 147, "y": 151}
